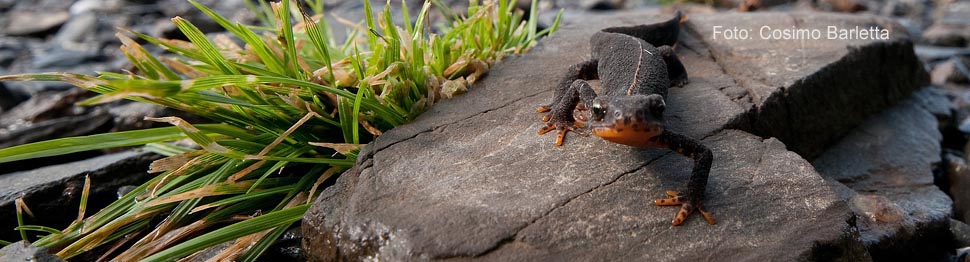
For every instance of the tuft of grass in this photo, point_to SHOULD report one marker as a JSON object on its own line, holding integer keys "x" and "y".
{"x": 291, "y": 107}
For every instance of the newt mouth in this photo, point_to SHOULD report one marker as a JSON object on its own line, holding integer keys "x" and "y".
{"x": 637, "y": 134}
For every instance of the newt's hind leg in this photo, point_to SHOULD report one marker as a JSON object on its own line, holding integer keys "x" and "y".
{"x": 561, "y": 118}
{"x": 675, "y": 69}
{"x": 697, "y": 185}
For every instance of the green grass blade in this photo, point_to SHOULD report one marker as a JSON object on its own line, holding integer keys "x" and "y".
{"x": 286, "y": 35}
{"x": 209, "y": 50}
{"x": 39, "y": 229}
{"x": 533, "y": 17}
{"x": 69, "y": 145}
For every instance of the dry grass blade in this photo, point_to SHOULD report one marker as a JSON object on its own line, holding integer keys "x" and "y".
{"x": 279, "y": 139}
{"x": 22, "y": 208}
{"x": 84, "y": 200}
{"x": 342, "y": 148}
{"x": 205, "y": 191}
{"x": 173, "y": 162}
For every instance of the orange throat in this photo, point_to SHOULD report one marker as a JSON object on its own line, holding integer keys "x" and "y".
{"x": 628, "y": 135}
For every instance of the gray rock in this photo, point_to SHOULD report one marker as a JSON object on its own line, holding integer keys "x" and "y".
{"x": 88, "y": 6}
{"x": 41, "y": 107}
{"x": 507, "y": 206}
{"x": 9, "y": 98}
{"x": 23, "y": 251}
{"x": 471, "y": 180}
{"x": 616, "y": 222}
{"x": 77, "y": 125}
{"x": 31, "y": 23}
{"x": 53, "y": 192}
{"x": 6, "y": 4}
{"x": 80, "y": 25}
{"x": 11, "y": 48}
{"x": 809, "y": 93}
{"x": 936, "y": 53}
{"x": 57, "y": 55}
{"x": 886, "y": 166}
{"x": 963, "y": 255}
{"x": 131, "y": 115}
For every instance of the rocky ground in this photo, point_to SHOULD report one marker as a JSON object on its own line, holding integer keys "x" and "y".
{"x": 852, "y": 150}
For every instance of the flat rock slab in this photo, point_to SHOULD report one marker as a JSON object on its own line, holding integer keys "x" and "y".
{"x": 769, "y": 201}
{"x": 54, "y": 192}
{"x": 810, "y": 92}
{"x": 884, "y": 170}
{"x": 788, "y": 214}
{"x": 471, "y": 180}
{"x": 23, "y": 251}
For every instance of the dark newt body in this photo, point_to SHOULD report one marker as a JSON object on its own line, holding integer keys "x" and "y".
{"x": 635, "y": 65}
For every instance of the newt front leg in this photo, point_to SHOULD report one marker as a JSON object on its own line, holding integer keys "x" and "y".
{"x": 697, "y": 184}
{"x": 571, "y": 89}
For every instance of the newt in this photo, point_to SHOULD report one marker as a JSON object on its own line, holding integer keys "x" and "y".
{"x": 635, "y": 65}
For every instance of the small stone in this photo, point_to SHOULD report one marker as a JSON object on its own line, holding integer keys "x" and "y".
{"x": 958, "y": 176}
{"x": 164, "y": 28}
{"x": 9, "y": 98}
{"x": 952, "y": 27}
{"x": 935, "y": 53}
{"x": 12, "y": 48}
{"x": 846, "y": 6}
{"x": 23, "y": 251}
{"x": 131, "y": 115}
{"x": 602, "y": 5}
{"x": 21, "y": 133}
{"x": 56, "y": 55}
{"x": 124, "y": 190}
{"x": 946, "y": 35}
{"x": 23, "y": 23}
{"x": 964, "y": 126}
{"x": 954, "y": 70}
{"x": 289, "y": 247}
{"x": 6, "y": 4}
{"x": 208, "y": 253}
{"x": 80, "y": 25}
{"x": 87, "y": 6}
{"x": 961, "y": 232}
{"x": 878, "y": 209}
{"x": 963, "y": 255}
{"x": 42, "y": 106}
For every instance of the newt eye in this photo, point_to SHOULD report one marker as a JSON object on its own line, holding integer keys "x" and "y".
{"x": 657, "y": 107}
{"x": 598, "y": 111}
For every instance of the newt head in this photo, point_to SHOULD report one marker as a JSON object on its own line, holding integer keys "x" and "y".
{"x": 635, "y": 120}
